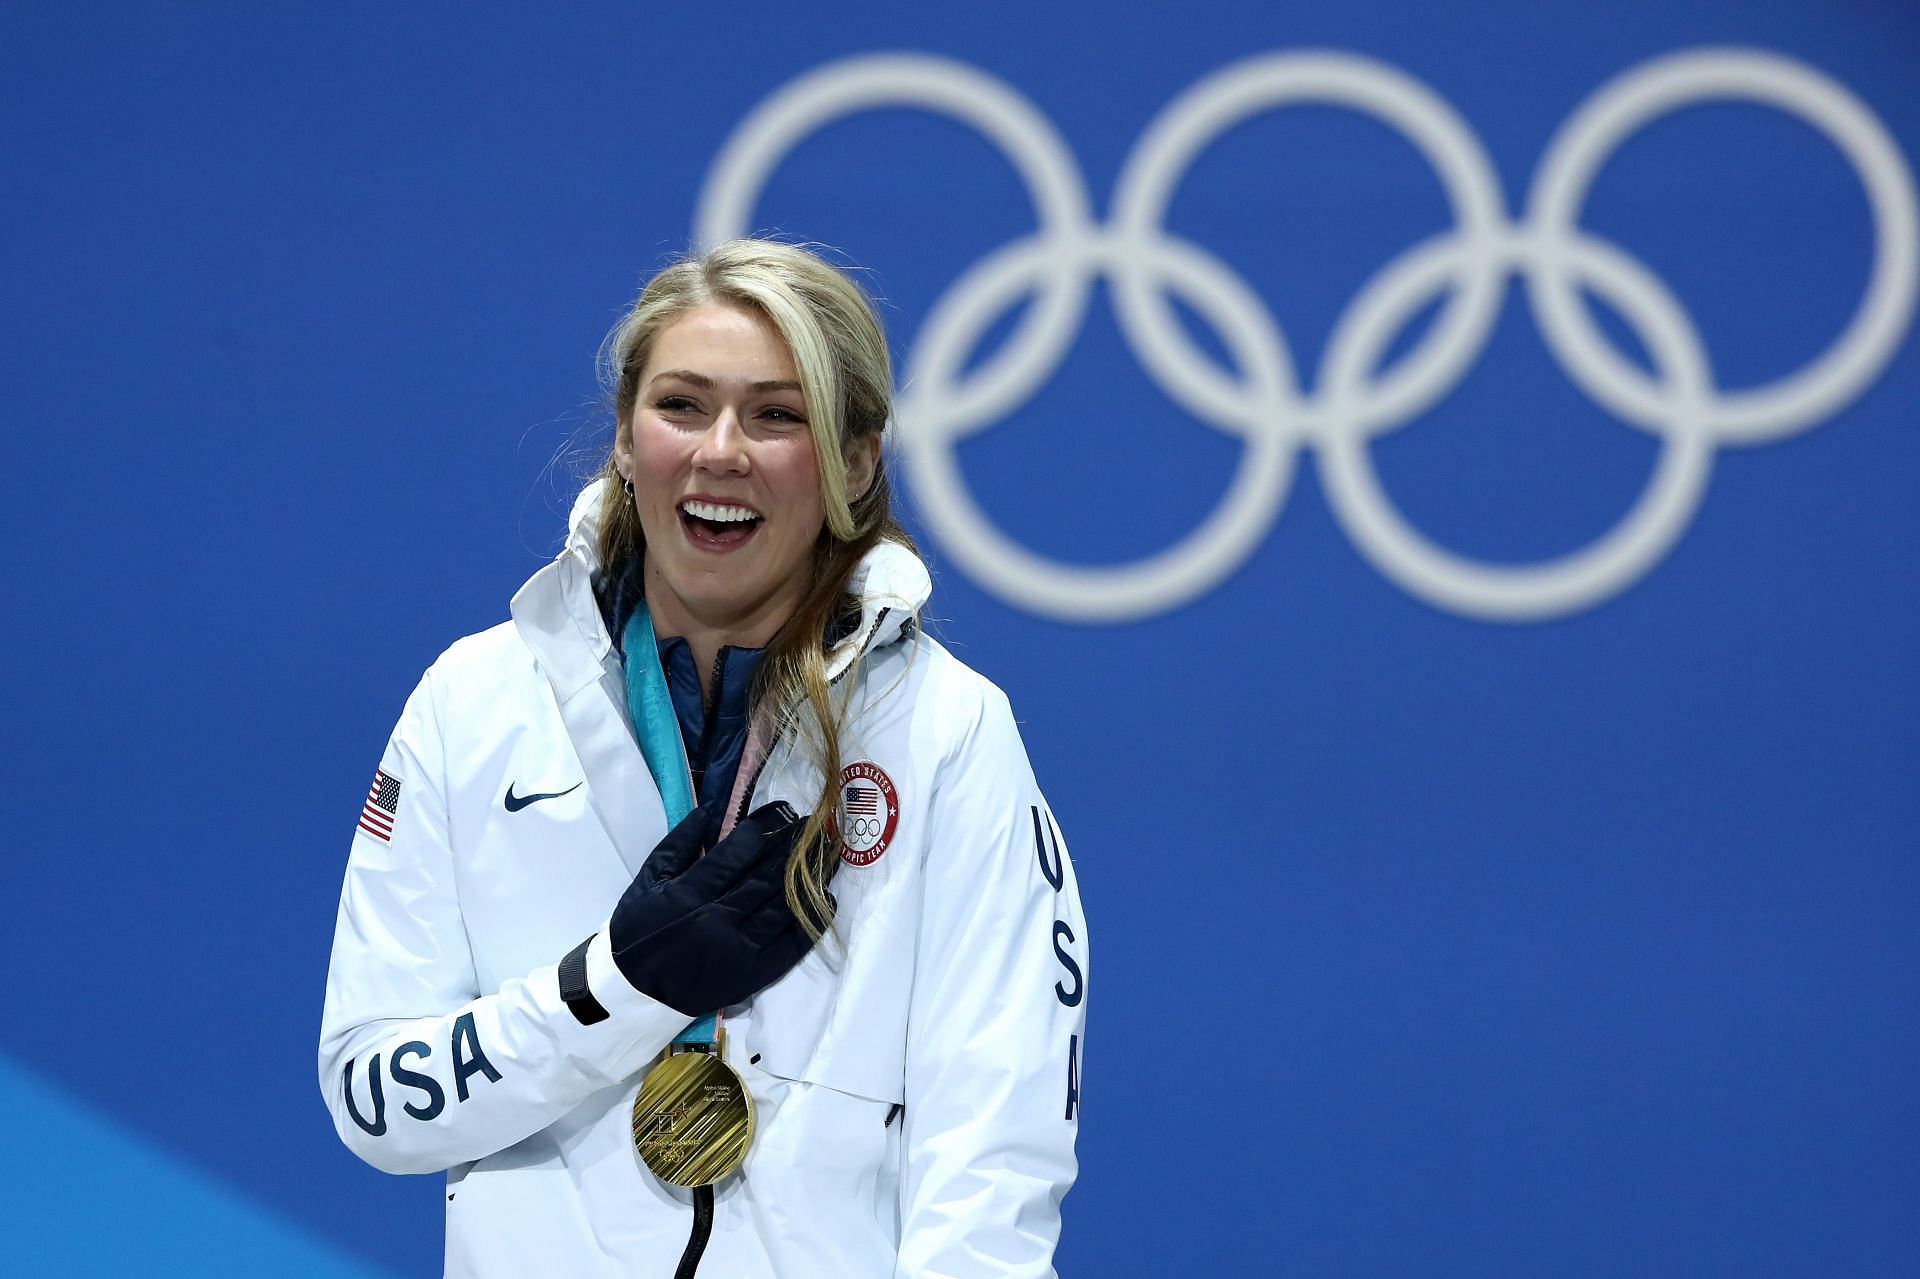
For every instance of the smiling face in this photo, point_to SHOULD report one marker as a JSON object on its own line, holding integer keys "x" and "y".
{"x": 725, "y": 480}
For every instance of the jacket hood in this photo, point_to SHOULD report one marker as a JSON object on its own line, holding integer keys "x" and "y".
{"x": 891, "y": 582}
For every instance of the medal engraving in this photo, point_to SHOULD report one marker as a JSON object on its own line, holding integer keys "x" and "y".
{"x": 693, "y": 1119}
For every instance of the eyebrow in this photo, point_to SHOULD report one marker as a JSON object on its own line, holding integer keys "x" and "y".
{"x": 705, "y": 383}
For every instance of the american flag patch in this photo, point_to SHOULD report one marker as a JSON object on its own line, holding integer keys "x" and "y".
{"x": 860, "y": 800}
{"x": 383, "y": 804}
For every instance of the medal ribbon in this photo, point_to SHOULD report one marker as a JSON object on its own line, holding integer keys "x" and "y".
{"x": 650, "y": 707}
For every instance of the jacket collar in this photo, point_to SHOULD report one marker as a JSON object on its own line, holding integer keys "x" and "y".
{"x": 558, "y": 617}
{"x": 892, "y": 586}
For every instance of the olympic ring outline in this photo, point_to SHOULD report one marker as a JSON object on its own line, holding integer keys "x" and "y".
{"x": 1347, "y": 407}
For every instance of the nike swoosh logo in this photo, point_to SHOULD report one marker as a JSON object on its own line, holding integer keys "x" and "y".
{"x": 517, "y": 802}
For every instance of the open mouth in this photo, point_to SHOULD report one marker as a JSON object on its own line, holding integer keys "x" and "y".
{"x": 718, "y": 526}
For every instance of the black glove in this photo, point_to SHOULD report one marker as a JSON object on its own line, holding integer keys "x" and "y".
{"x": 699, "y": 932}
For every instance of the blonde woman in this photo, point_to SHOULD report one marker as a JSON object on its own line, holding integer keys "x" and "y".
{"x": 706, "y": 917}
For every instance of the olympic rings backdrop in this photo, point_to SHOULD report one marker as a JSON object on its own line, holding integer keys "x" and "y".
{"x": 1438, "y": 483}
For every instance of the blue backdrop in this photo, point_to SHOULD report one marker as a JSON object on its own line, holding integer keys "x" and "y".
{"x": 1437, "y": 483}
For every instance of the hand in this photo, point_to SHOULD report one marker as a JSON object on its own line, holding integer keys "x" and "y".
{"x": 699, "y": 933}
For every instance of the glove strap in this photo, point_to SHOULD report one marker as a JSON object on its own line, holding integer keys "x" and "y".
{"x": 574, "y": 991}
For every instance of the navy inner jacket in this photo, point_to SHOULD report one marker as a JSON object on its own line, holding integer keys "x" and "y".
{"x": 715, "y": 736}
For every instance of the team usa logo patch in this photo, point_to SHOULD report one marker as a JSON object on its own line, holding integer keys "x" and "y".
{"x": 869, "y": 811}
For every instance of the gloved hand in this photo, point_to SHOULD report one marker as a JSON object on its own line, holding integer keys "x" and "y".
{"x": 700, "y": 932}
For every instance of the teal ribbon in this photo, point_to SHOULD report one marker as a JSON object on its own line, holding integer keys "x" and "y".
{"x": 655, "y": 723}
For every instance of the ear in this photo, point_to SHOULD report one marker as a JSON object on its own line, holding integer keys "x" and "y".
{"x": 863, "y": 459}
{"x": 623, "y": 451}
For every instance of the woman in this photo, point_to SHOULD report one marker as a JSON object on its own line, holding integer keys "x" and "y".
{"x": 713, "y": 765}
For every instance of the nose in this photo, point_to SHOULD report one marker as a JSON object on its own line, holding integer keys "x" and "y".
{"x": 722, "y": 449}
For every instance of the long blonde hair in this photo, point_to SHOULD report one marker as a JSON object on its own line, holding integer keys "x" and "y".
{"x": 847, "y": 379}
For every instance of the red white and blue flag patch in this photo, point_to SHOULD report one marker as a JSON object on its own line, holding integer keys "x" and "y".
{"x": 382, "y": 806}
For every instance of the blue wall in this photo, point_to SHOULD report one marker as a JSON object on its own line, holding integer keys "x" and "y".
{"x": 1507, "y": 809}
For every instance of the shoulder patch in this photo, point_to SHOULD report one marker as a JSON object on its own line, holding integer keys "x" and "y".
{"x": 868, "y": 813}
{"x": 382, "y": 807}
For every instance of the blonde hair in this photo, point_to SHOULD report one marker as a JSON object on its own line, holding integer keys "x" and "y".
{"x": 846, "y": 378}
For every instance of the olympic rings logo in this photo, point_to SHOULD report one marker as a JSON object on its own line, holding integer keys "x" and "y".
{"x": 1352, "y": 400}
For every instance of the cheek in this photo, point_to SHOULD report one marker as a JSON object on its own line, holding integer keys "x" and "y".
{"x": 799, "y": 479}
{"x": 654, "y": 455}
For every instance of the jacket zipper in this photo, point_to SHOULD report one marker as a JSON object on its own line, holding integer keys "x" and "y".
{"x": 710, "y": 712}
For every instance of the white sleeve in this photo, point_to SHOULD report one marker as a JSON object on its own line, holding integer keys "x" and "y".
{"x": 997, "y": 1023}
{"x": 420, "y": 1067}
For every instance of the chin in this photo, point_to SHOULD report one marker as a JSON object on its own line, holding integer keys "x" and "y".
{"x": 716, "y": 599}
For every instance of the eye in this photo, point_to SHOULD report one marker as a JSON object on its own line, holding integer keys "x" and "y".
{"x": 675, "y": 404}
{"x": 782, "y": 416}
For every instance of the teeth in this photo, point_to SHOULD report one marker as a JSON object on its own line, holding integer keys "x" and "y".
{"x": 718, "y": 514}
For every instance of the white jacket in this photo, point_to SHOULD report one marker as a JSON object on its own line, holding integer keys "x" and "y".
{"x": 916, "y": 1078}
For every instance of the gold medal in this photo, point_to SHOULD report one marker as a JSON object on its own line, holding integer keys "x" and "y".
{"x": 693, "y": 1117}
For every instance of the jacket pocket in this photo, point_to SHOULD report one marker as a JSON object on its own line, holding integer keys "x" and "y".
{"x": 855, "y": 1043}
{"x": 825, "y": 1165}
